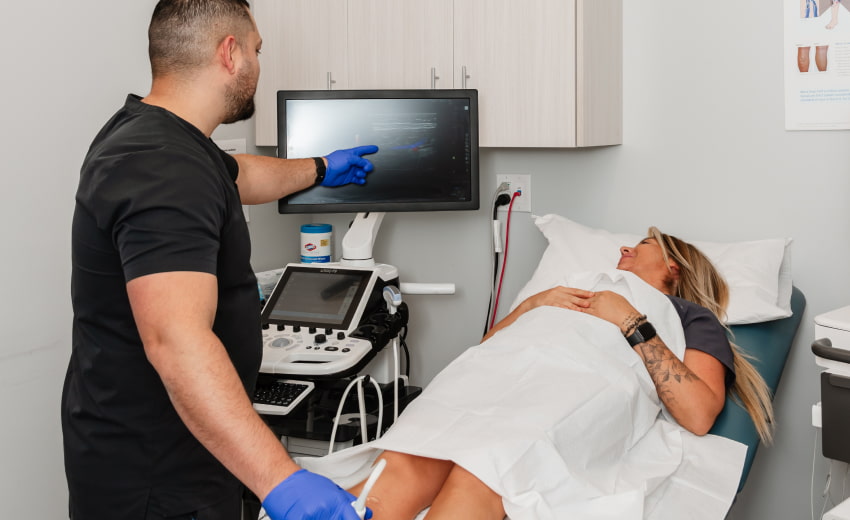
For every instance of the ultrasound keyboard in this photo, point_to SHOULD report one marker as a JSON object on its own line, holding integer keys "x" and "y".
{"x": 280, "y": 396}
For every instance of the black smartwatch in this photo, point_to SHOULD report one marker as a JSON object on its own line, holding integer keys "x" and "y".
{"x": 320, "y": 170}
{"x": 643, "y": 333}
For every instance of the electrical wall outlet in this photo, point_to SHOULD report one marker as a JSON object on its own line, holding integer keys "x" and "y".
{"x": 520, "y": 183}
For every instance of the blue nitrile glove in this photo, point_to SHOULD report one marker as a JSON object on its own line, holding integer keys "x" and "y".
{"x": 308, "y": 496}
{"x": 346, "y": 166}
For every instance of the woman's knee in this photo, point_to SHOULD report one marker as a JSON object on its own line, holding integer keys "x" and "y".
{"x": 465, "y": 496}
{"x": 407, "y": 485}
{"x": 423, "y": 469}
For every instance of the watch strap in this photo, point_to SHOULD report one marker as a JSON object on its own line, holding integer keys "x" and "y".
{"x": 321, "y": 169}
{"x": 643, "y": 333}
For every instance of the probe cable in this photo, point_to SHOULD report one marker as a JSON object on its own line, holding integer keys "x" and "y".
{"x": 363, "y": 431}
{"x": 403, "y": 336}
{"x": 504, "y": 257}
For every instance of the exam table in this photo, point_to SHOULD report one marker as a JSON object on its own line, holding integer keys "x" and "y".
{"x": 769, "y": 343}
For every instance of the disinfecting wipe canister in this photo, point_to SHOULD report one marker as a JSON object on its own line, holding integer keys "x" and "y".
{"x": 316, "y": 243}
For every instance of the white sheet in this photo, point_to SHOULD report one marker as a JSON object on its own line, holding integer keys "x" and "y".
{"x": 559, "y": 416}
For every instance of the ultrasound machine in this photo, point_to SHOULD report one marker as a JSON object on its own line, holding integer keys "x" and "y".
{"x": 323, "y": 321}
{"x": 329, "y": 328}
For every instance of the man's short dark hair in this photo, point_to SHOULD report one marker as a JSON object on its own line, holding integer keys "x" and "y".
{"x": 184, "y": 33}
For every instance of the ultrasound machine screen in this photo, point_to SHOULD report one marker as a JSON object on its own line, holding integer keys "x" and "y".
{"x": 427, "y": 139}
{"x": 326, "y": 298}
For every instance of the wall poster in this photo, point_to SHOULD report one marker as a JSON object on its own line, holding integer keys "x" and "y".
{"x": 817, "y": 64}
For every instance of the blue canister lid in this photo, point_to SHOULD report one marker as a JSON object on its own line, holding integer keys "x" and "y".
{"x": 316, "y": 228}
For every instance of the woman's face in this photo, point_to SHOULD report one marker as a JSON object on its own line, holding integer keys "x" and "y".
{"x": 646, "y": 261}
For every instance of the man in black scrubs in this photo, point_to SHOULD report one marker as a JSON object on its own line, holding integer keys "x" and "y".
{"x": 156, "y": 414}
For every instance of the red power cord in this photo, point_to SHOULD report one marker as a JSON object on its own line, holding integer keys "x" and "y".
{"x": 504, "y": 258}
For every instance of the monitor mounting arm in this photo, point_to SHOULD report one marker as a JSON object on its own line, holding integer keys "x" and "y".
{"x": 359, "y": 240}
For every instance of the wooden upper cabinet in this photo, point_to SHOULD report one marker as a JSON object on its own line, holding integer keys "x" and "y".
{"x": 304, "y": 48}
{"x": 401, "y": 44}
{"x": 548, "y": 72}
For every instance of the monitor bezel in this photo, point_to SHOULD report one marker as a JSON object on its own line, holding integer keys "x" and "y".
{"x": 286, "y": 207}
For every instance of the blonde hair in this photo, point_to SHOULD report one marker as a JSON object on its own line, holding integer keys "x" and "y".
{"x": 700, "y": 283}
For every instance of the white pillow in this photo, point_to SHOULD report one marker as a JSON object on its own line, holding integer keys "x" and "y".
{"x": 758, "y": 272}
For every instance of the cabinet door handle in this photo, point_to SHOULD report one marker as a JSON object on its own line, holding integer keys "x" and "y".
{"x": 463, "y": 77}
{"x": 434, "y": 78}
{"x": 331, "y": 81}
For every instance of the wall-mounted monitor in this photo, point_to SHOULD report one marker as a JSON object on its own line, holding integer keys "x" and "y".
{"x": 428, "y": 141}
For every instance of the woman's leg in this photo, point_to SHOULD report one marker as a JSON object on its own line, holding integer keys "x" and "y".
{"x": 465, "y": 496}
{"x": 407, "y": 485}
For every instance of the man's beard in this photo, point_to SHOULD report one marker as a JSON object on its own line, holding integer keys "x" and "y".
{"x": 240, "y": 99}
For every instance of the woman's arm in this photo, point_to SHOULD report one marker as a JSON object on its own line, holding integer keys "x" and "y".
{"x": 693, "y": 390}
{"x": 565, "y": 297}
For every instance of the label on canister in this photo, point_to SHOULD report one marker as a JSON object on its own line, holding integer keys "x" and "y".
{"x": 316, "y": 243}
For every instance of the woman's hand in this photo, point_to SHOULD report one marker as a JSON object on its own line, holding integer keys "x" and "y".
{"x": 564, "y": 297}
{"x": 560, "y": 296}
{"x": 612, "y": 307}
{"x": 606, "y": 305}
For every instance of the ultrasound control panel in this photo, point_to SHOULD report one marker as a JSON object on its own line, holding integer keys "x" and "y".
{"x": 319, "y": 321}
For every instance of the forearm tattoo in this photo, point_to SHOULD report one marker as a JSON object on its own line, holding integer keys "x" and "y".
{"x": 665, "y": 369}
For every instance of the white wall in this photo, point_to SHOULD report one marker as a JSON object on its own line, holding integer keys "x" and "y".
{"x": 705, "y": 157}
{"x": 68, "y": 66}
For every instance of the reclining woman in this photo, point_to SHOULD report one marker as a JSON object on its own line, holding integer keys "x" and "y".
{"x": 693, "y": 389}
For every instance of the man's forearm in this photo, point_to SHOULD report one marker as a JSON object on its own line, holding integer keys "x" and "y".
{"x": 210, "y": 399}
{"x": 265, "y": 179}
